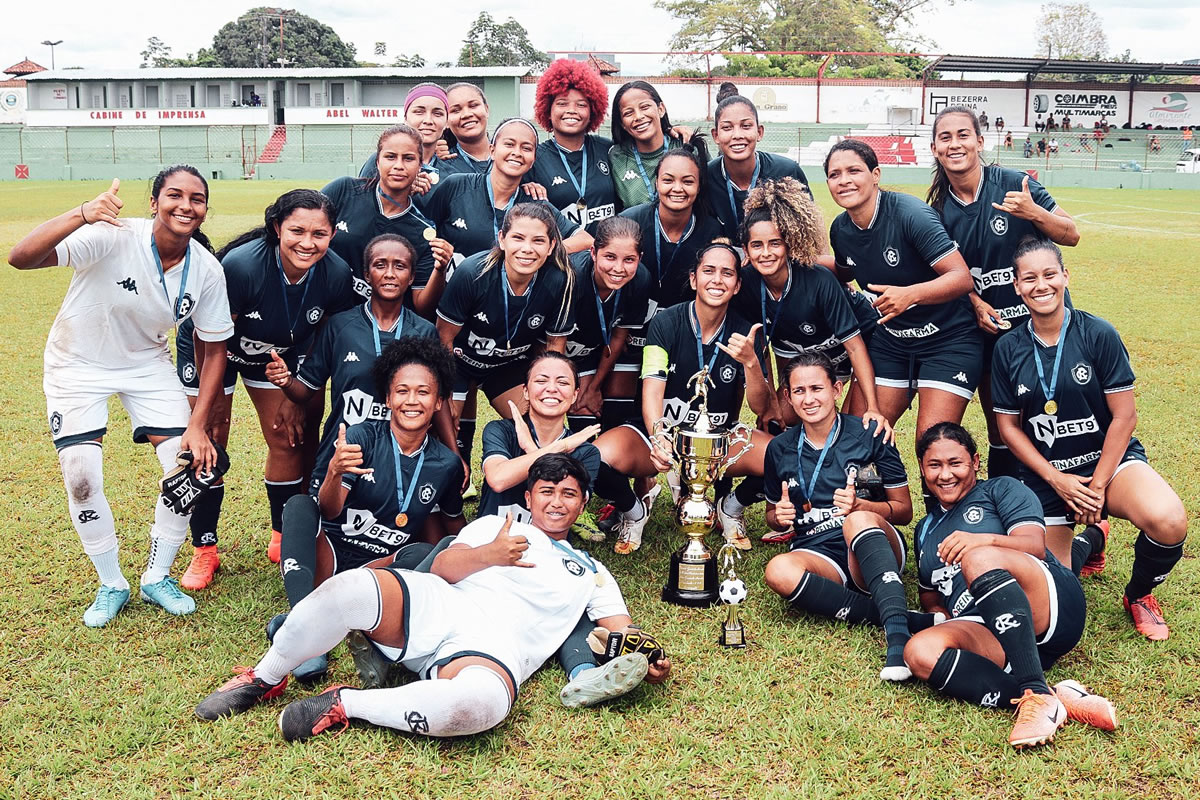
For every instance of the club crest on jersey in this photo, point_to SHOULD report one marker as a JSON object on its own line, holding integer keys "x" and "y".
{"x": 973, "y": 515}
{"x": 602, "y": 166}
{"x": 55, "y": 423}
{"x": 314, "y": 315}
{"x": 189, "y": 373}
{"x": 186, "y": 304}
{"x": 808, "y": 329}
{"x": 573, "y": 567}
{"x": 425, "y": 495}
{"x": 536, "y": 321}
{"x": 999, "y": 225}
{"x": 1081, "y": 373}
{"x": 728, "y": 373}
{"x": 892, "y": 256}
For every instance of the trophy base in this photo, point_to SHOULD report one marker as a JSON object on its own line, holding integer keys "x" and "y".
{"x": 733, "y": 637}
{"x": 691, "y": 584}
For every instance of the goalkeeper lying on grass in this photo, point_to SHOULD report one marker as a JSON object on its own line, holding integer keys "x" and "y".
{"x": 498, "y": 603}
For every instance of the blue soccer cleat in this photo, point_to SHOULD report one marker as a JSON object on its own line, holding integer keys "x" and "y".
{"x": 108, "y": 603}
{"x": 167, "y": 595}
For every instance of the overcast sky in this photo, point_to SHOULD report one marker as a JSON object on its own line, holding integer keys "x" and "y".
{"x": 110, "y": 35}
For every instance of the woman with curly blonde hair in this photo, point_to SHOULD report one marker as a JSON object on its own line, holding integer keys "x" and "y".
{"x": 802, "y": 307}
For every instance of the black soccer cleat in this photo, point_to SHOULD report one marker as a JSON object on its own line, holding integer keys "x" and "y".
{"x": 240, "y": 693}
{"x": 305, "y": 718}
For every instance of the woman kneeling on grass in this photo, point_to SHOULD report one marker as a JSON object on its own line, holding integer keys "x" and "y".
{"x": 1014, "y": 609}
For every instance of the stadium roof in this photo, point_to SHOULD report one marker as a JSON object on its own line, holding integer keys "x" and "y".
{"x": 1034, "y": 66}
{"x": 25, "y": 67}
{"x": 210, "y": 73}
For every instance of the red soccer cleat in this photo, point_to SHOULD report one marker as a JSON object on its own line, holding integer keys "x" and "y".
{"x": 273, "y": 546}
{"x": 205, "y": 562}
{"x": 1096, "y": 561}
{"x": 1147, "y": 617}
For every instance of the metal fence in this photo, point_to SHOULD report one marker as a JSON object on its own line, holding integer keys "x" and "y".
{"x": 240, "y": 147}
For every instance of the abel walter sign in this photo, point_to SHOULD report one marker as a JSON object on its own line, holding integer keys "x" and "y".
{"x": 345, "y": 115}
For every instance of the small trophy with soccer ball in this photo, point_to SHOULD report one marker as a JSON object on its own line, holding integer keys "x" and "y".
{"x": 732, "y": 593}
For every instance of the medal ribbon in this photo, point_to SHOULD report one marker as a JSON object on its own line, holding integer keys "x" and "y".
{"x": 645, "y": 178}
{"x": 762, "y": 297}
{"x": 492, "y": 203}
{"x": 399, "y": 330}
{"x": 737, "y": 212}
{"x": 616, "y": 298}
{"x": 283, "y": 284}
{"x": 508, "y": 333}
{"x": 659, "y": 235}
{"x": 162, "y": 276}
{"x": 1058, "y": 351}
{"x": 837, "y": 424}
{"x": 404, "y": 499}
{"x": 581, "y": 188}
{"x": 700, "y": 340}
{"x": 587, "y": 561}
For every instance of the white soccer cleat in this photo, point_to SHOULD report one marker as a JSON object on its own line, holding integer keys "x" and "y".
{"x": 599, "y": 684}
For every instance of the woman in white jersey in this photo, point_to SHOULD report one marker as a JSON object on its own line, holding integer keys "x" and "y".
{"x": 134, "y": 280}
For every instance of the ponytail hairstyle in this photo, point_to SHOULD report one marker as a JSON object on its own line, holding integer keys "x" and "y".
{"x": 809, "y": 359}
{"x": 727, "y": 89}
{"x": 859, "y": 148}
{"x": 720, "y": 243}
{"x": 945, "y": 430}
{"x": 784, "y": 202}
{"x": 612, "y": 228}
{"x": 724, "y": 101}
{"x": 939, "y": 189}
{"x": 541, "y": 212}
{"x": 278, "y": 212}
{"x": 156, "y": 187}
{"x": 621, "y": 136}
{"x": 401, "y": 129}
{"x": 447, "y": 134}
{"x": 696, "y": 151}
{"x": 562, "y": 76}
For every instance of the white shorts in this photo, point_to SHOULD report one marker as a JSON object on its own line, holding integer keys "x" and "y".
{"x": 449, "y": 625}
{"x": 77, "y": 401}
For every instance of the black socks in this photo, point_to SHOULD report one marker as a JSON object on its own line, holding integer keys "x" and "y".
{"x": 877, "y": 562}
{"x": 1084, "y": 545}
{"x": 818, "y": 595}
{"x": 278, "y": 493}
{"x": 1152, "y": 562}
{"x": 1004, "y": 607}
{"x": 298, "y": 547}
{"x": 964, "y": 675}
{"x": 206, "y": 515}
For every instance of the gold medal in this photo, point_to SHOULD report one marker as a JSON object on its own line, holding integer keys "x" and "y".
{"x": 430, "y": 234}
{"x": 1003, "y": 324}
{"x": 1051, "y": 407}
{"x": 433, "y": 178}
{"x": 401, "y": 519}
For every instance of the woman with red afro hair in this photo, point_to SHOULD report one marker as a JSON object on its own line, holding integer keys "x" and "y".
{"x": 573, "y": 164}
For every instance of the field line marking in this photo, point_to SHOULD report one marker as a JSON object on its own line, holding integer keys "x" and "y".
{"x": 1084, "y": 218}
{"x": 1135, "y": 208}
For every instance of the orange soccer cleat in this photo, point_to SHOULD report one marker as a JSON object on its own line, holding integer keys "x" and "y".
{"x": 1039, "y": 716}
{"x": 273, "y": 546}
{"x": 1083, "y": 706}
{"x": 1147, "y": 617}
{"x": 205, "y": 562}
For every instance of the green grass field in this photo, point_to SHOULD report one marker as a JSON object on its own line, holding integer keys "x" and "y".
{"x": 800, "y": 713}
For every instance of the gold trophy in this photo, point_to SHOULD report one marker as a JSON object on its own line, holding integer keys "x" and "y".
{"x": 702, "y": 455}
{"x": 732, "y": 593}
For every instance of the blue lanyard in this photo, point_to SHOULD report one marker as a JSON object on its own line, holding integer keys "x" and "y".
{"x": 659, "y": 235}
{"x": 700, "y": 340}
{"x": 616, "y": 298}
{"x": 403, "y": 498}
{"x": 645, "y": 178}
{"x": 762, "y": 297}
{"x": 737, "y": 212}
{"x": 1058, "y": 351}
{"x": 283, "y": 284}
{"x": 812, "y": 484}
{"x": 508, "y": 333}
{"x": 162, "y": 276}
{"x": 472, "y": 160}
{"x": 487, "y": 180}
{"x": 379, "y": 190}
{"x": 587, "y": 561}
{"x": 581, "y": 188}
{"x": 412, "y": 207}
{"x": 399, "y": 331}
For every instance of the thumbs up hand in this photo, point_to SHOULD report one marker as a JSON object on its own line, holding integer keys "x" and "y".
{"x": 347, "y": 458}
{"x": 105, "y": 207}
{"x": 785, "y": 511}
{"x": 846, "y": 499}
{"x": 277, "y": 371}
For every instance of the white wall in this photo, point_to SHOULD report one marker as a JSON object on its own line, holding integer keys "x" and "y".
{"x": 13, "y": 101}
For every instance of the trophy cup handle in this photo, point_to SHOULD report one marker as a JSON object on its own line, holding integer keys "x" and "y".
{"x": 738, "y": 434}
{"x": 661, "y": 434}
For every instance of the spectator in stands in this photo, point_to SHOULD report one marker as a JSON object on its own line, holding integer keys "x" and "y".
{"x": 1155, "y": 145}
{"x": 1039, "y": 124}
{"x": 1054, "y": 145}
{"x": 1041, "y": 145}
{"x": 1028, "y": 147}
{"x": 1008, "y": 142}
{"x": 1050, "y": 124}
{"x": 999, "y": 123}
{"x": 1066, "y": 122}
{"x": 983, "y": 121}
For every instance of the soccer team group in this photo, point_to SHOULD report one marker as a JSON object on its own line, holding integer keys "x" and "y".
{"x": 582, "y": 283}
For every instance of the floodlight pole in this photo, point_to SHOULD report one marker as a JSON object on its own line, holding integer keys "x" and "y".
{"x": 52, "y": 45}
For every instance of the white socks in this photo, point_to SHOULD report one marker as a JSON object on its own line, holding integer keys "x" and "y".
{"x": 346, "y": 602}
{"x": 83, "y": 474}
{"x": 471, "y": 702}
{"x": 169, "y": 530}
